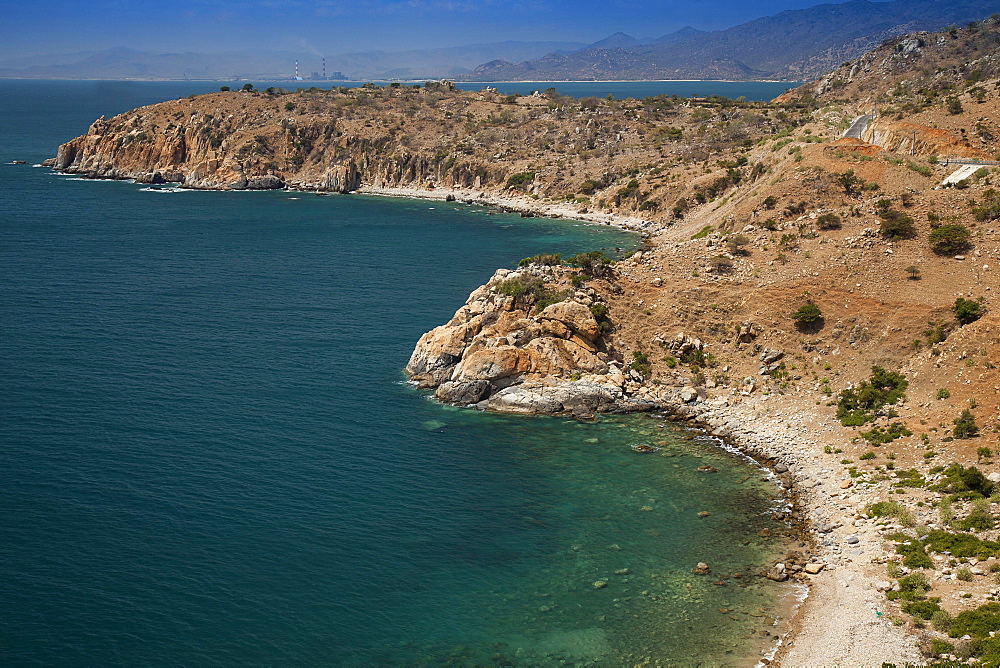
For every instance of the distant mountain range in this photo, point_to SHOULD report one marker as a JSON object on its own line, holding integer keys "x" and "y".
{"x": 123, "y": 63}
{"x": 796, "y": 44}
{"x": 793, "y": 45}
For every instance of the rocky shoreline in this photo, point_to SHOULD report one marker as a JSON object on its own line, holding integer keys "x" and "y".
{"x": 843, "y": 621}
{"x": 840, "y": 622}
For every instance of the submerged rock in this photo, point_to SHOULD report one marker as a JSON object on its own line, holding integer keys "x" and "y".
{"x": 778, "y": 573}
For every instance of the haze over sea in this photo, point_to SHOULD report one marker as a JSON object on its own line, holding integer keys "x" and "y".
{"x": 209, "y": 455}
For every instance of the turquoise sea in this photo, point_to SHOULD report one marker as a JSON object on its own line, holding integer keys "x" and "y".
{"x": 209, "y": 455}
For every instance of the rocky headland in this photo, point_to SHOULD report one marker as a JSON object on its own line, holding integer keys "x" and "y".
{"x": 824, "y": 303}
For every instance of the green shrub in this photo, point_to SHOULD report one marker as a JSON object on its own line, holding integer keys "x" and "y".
{"x": 592, "y": 263}
{"x": 600, "y": 312}
{"x": 886, "y": 509}
{"x": 866, "y": 456}
{"x": 721, "y": 264}
{"x": 737, "y": 244}
{"x": 828, "y": 221}
{"x": 640, "y": 362}
{"x": 897, "y": 226}
{"x": 968, "y": 310}
{"x": 808, "y": 316}
{"x": 878, "y": 436}
{"x": 852, "y": 184}
{"x": 960, "y": 545}
{"x": 545, "y": 259}
{"x": 979, "y": 518}
{"x": 965, "y": 425}
{"x": 705, "y": 231}
{"x": 922, "y": 609}
{"x": 857, "y": 406}
{"x": 923, "y": 170}
{"x": 520, "y": 179}
{"x": 913, "y": 553}
{"x": 977, "y": 623}
{"x": 943, "y": 393}
{"x": 942, "y": 620}
{"x": 959, "y": 479}
{"x": 914, "y": 587}
{"x": 936, "y": 333}
{"x": 963, "y": 574}
{"x": 989, "y": 208}
{"x": 947, "y": 239}
{"x": 548, "y": 299}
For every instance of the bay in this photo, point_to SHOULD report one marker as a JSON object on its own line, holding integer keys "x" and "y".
{"x": 210, "y": 456}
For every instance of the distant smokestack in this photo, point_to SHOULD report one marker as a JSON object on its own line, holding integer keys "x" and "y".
{"x": 324, "y": 68}
{"x": 296, "y": 69}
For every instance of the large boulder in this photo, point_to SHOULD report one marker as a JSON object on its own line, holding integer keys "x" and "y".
{"x": 463, "y": 393}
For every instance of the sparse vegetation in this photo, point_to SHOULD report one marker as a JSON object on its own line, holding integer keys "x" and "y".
{"x": 968, "y": 310}
{"x": 947, "y": 239}
{"x": 965, "y": 425}
{"x": 896, "y": 225}
{"x": 808, "y": 317}
{"x": 829, "y": 221}
{"x": 857, "y": 406}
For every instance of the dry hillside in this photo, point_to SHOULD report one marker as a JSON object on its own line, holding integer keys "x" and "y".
{"x": 754, "y": 212}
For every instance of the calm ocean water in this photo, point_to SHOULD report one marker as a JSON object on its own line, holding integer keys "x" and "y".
{"x": 209, "y": 456}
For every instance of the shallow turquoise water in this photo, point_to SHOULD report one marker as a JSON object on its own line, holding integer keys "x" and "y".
{"x": 210, "y": 456}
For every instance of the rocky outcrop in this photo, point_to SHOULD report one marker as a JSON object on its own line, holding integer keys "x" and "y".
{"x": 500, "y": 353}
{"x": 902, "y": 137}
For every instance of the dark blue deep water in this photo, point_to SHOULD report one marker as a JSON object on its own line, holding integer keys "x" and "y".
{"x": 208, "y": 455}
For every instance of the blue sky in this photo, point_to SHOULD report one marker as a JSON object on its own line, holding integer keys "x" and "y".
{"x": 339, "y": 26}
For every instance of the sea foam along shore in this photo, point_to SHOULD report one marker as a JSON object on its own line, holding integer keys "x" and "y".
{"x": 841, "y": 622}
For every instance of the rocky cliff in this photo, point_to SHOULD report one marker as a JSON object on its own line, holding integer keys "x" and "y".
{"x": 506, "y": 350}
{"x": 587, "y": 154}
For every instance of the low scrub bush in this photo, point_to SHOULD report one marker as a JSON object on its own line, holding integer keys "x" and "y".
{"x": 896, "y": 225}
{"x": 890, "y": 509}
{"x": 977, "y": 623}
{"x": 545, "y": 259}
{"x": 960, "y": 545}
{"x": 989, "y": 208}
{"x": 913, "y": 552}
{"x": 520, "y": 180}
{"x": 968, "y": 310}
{"x": 965, "y": 425}
{"x": 879, "y": 436}
{"x": 923, "y": 609}
{"x": 640, "y": 362}
{"x": 947, "y": 239}
{"x": 959, "y": 479}
{"x": 829, "y": 221}
{"x": 858, "y": 405}
{"x": 591, "y": 263}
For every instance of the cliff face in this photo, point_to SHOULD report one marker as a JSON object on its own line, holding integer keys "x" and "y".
{"x": 916, "y": 139}
{"x": 590, "y": 154}
{"x": 501, "y": 352}
{"x": 173, "y": 143}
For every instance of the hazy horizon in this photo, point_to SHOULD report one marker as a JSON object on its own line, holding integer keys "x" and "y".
{"x": 331, "y": 27}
